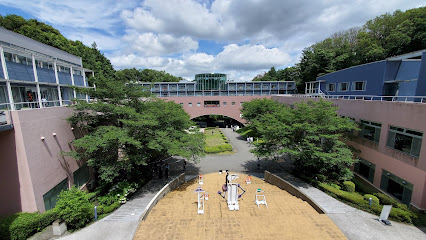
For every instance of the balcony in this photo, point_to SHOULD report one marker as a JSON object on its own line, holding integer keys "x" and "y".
{"x": 5, "y": 122}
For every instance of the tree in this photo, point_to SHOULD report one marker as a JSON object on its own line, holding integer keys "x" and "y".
{"x": 310, "y": 133}
{"x": 127, "y": 129}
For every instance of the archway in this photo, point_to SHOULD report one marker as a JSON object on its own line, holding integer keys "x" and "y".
{"x": 214, "y": 120}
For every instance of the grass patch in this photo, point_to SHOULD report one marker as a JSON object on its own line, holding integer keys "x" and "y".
{"x": 216, "y": 142}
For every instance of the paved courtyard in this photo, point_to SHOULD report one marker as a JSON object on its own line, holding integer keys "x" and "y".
{"x": 287, "y": 217}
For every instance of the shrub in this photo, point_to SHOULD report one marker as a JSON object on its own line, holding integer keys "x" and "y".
{"x": 123, "y": 190}
{"x": 373, "y": 198}
{"x": 386, "y": 200}
{"x": 335, "y": 186}
{"x": 74, "y": 208}
{"x": 320, "y": 177}
{"x": 349, "y": 186}
{"x": 24, "y": 225}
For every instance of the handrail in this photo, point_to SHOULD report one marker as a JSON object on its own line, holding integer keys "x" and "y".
{"x": 409, "y": 99}
{"x": 33, "y": 105}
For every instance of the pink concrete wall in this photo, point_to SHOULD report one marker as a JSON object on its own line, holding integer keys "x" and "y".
{"x": 40, "y": 163}
{"x": 407, "y": 115}
{"x": 10, "y": 200}
{"x": 232, "y": 111}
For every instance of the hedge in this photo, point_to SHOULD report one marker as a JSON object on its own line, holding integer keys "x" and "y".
{"x": 218, "y": 149}
{"x": 354, "y": 199}
{"x": 374, "y": 199}
{"x": 23, "y": 225}
{"x": 349, "y": 186}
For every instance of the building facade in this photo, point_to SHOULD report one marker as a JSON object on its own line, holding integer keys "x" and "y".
{"x": 400, "y": 78}
{"x": 35, "y": 87}
{"x": 216, "y": 84}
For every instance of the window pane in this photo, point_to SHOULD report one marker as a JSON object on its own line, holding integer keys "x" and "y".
{"x": 403, "y": 143}
{"x": 417, "y": 144}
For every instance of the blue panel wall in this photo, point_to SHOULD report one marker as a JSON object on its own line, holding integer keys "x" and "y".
{"x": 392, "y": 68}
{"x": 407, "y": 88}
{"x": 421, "y": 80}
{"x": 64, "y": 78}
{"x": 372, "y": 73}
{"x": 19, "y": 71}
{"x": 78, "y": 80}
{"x": 408, "y": 70}
{"x": 1, "y": 70}
{"x": 46, "y": 75}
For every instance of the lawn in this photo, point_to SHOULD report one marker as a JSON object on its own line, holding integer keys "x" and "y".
{"x": 216, "y": 142}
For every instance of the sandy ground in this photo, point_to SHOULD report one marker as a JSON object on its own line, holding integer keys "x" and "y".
{"x": 287, "y": 217}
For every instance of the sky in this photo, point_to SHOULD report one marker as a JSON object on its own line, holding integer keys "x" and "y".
{"x": 242, "y": 38}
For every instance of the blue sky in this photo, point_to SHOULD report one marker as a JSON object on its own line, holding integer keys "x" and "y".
{"x": 241, "y": 38}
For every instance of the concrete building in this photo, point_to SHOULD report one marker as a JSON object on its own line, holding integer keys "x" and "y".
{"x": 35, "y": 84}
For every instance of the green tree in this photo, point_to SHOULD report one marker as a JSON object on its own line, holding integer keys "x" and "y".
{"x": 127, "y": 129}
{"x": 310, "y": 133}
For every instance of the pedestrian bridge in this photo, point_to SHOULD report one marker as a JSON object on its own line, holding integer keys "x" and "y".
{"x": 228, "y": 106}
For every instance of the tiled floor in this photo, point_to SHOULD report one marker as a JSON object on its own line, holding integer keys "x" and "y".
{"x": 175, "y": 216}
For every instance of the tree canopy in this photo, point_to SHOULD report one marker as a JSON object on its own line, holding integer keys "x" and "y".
{"x": 309, "y": 133}
{"x": 127, "y": 129}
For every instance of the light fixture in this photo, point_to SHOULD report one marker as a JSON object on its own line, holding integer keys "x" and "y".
{"x": 388, "y": 174}
{"x": 42, "y": 138}
{"x": 404, "y": 182}
{"x": 72, "y": 128}
{"x": 54, "y": 134}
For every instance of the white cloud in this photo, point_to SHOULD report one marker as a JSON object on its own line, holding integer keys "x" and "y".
{"x": 75, "y": 13}
{"x": 164, "y": 34}
{"x": 150, "y": 44}
{"x": 234, "y": 58}
{"x": 251, "y": 57}
{"x": 103, "y": 42}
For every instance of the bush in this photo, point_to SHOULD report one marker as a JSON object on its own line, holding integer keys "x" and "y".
{"x": 335, "y": 186}
{"x": 123, "y": 190}
{"x": 320, "y": 177}
{"x": 373, "y": 198}
{"x": 386, "y": 200}
{"x": 74, "y": 208}
{"x": 349, "y": 186}
{"x": 24, "y": 225}
{"x": 354, "y": 199}
{"x": 218, "y": 149}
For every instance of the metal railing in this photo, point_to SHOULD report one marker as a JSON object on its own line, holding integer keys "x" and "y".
{"x": 32, "y": 105}
{"x": 409, "y": 99}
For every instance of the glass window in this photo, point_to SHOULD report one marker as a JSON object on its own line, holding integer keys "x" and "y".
{"x": 331, "y": 87}
{"x": 370, "y": 130}
{"x": 358, "y": 86}
{"x": 8, "y": 57}
{"x": 233, "y": 103}
{"x": 190, "y": 104}
{"x": 405, "y": 140}
{"x": 224, "y": 104}
{"x": 344, "y": 86}
{"x": 198, "y": 104}
{"x": 241, "y": 103}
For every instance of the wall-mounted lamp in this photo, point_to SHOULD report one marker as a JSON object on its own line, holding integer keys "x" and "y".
{"x": 369, "y": 164}
{"x": 404, "y": 182}
{"x": 54, "y": 134}
{"x": 42, "y": 138}
{"x": 72, "y": 128}
{"x": 388, "y": 174}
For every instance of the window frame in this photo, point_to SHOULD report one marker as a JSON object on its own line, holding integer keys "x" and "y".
{"x": 394, "y": 130}
{"x": 364, "y": 84}
{"x": 328, "y": 87}
{"x": 372, "y": 124}
{"x": 339, "y": 87}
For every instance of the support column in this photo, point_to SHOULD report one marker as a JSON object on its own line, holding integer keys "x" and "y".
{"x": 72, "y": 81}
{"x": 6, "y": 76}
{"x": 57, "y": 82}
{"x": 40, "y": 103}
{"x": 84, "y": 81}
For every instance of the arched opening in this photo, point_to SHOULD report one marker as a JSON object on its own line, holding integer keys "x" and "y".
{"x": 214, "y": 120}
